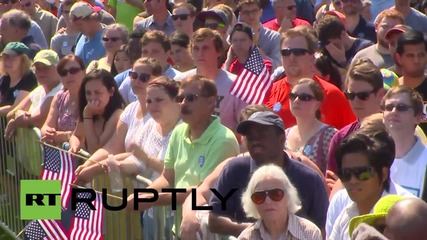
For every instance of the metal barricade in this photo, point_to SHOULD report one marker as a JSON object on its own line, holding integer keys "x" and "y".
{"x": 21, "y": 158}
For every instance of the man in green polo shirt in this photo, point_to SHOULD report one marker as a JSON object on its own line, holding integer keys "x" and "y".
{"x": 195, "y": 148}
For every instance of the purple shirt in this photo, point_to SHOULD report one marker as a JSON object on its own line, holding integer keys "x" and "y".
{"x": 336, "y": 141}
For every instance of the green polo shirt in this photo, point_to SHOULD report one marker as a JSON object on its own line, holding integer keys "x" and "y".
{"x": 192, "y": 161}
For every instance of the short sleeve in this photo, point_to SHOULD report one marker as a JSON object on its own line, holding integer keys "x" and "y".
{"x": 28, "y": 82}
{"x": 128, "y": 114}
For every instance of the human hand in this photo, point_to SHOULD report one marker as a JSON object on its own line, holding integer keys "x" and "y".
{"x": 331, "y": 178}
{"x": 93, "y": 107}
{"x": 286, "y": 24}
{"x": 190, "y": 226}
{"x": 336, "y": 52}
{"x": 49, "y": 136}
{"x": 10, "y": 130}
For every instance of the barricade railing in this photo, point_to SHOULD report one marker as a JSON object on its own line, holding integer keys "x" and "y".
{"x": 21, "y": 158}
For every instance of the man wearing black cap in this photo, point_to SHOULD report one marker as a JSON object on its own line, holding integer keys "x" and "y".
{"x": 265, "y": 138}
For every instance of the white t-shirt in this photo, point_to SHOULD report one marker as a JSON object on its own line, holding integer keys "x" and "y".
{"x": 154, "y": 145}
{"x": 409, "y": 171}
{"x": 340, "y": 229}
{"x": 129, "y": 118}
{"x": 341, "y": 199}
{"x": 38, "y": 96}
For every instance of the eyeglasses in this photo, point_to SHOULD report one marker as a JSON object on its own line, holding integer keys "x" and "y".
{"x": 188, "y": 98}
{"x": 301, "y": 96}
{"x": 295, "y": 51}
{"x": 360, "y": 95}
{"x": 214, "y": 26}
{"x": 182, "y": 17}
{"x": 112, "y": 39}
{"x": 143, "y": 77}
{"x": 361, "y": 173}
{"x": 64, "y": 72}
{"x": 275, "y": 194}
{"x": 291, "y": 7}
{"x": 400, "y": 107}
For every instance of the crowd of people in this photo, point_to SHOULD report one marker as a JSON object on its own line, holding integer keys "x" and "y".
{"x": 337, "y": 149}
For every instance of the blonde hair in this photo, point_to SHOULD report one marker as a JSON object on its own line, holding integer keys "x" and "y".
{"x": 275, "y": 172}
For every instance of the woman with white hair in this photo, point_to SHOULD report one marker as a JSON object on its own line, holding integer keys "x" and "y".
{"x": 275, "y": 214}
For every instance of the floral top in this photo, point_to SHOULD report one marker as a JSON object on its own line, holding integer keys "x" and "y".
{"x": 317, "y": 147}
{"x": 298, "y": 229}
{"x": 67, "y": 120}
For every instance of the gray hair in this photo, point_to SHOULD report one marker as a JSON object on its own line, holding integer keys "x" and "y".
{"x": 18, "y": 18}
{"x": 122, "y": 29}
{"x": 275, "y": 172}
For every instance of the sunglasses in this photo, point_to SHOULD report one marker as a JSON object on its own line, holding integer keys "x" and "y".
{"x": 143, "y": 77}
{"x": 361, "y": 173}
{"x": 72, "y": 71}
{"x": 295, "y": 51}
{"x": 214, "y": 25}
{"x": 301, "y": 96}
{"x": 360, "y": 95}
{"x": 291, "y": 7}
{"x": 188, "y": 98}
{"x": 275, "y": 194}
{"x": 182, "y": 17}
{"x": 400, "y": 107}
{"x": 113, "y": 39}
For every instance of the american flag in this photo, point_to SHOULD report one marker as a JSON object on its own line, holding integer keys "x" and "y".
{"x": 254, "y": 81}
{"x": 45, "y": 229}
{"x": 59, "y": 165}
{"x": 87, "y": 223}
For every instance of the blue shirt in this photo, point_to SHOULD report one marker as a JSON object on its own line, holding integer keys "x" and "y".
{"x": 119, "y": 78}
{"x": 89, "y": 50}
{"x": 416, "y": 20}
{"x": 148, "y": 24}
{"x": 237, "y": 173}
{"x": 37, "y": 33}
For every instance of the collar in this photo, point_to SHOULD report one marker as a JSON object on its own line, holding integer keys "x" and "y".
{"x": 254, "y": 166}
{"x": 207, "y": 134}
{"x": 294, "y": 229}
{"x": 169, "y": 21}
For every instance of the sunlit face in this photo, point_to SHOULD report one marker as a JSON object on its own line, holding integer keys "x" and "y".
{"x": 122, "y": 61}
{"x": 382, "y": 28}
{"x": 95, "y": 90}
{"x": 11, "y": 64}
{"x": 139, "y": 87}
{"x": 180, "y": 55}
{"x": 413, "y": 60}
{"x": 296, "y": 66}
{"x": 27, "y": 6}
{"x": 45, "y": 74}
{"x": 271, "y": 209}
{"x": 250, "y": 14}
{"x": 112, "y": 40}
{"x": 363, "y": 108}
{"x": 204, "y": 53}
{"x": 156, "y": 51}
{"x": 300, "y": 107}
{"x": 194, "y": 103}
{"x": 400, "y": 121}
{"x": 159, "y": 104}
{"x": 361, "y": 190}
{"x": 351, "y": 7}
{"x": 241, "y": 43}
{"x": 73, "y": 79}
{"x": 285, "y": 8}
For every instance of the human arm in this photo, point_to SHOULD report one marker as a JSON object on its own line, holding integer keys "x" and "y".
{"x": 92, "y": 139}
{"x": 151, "y": 162}
{"x": 190, "y": 224}
{"x": 6, "y": 109}
{"x": 24, "y": 105}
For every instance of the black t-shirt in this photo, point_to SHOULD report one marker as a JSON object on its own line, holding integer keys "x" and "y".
{"x": 422, "y": 89}
{"x": 8, "y": 94}
{"x": 365, "y": 30}
{"x": 237, "y": 173}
